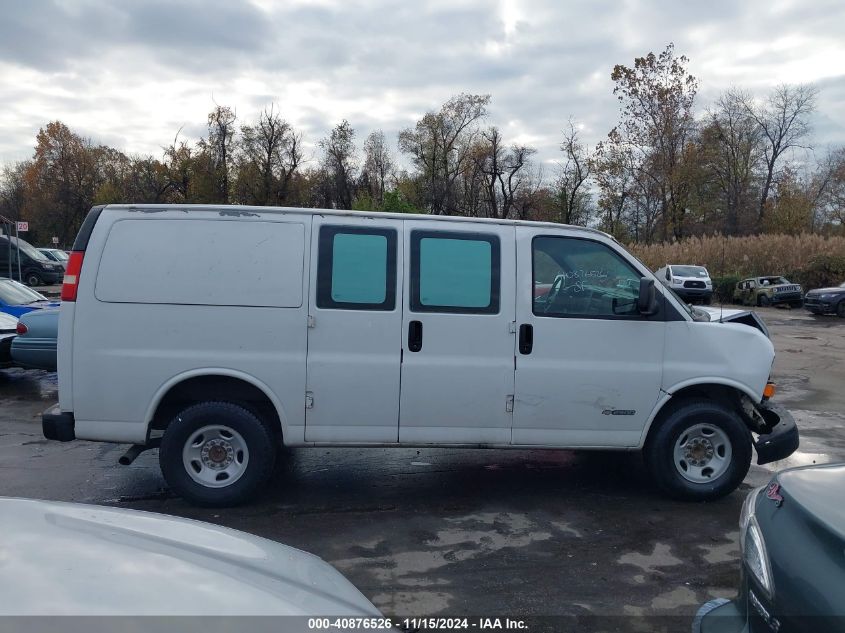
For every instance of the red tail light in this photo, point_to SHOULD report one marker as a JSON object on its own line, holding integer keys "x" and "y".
{"x": 71, "y": 282}
{"x": 21, "y": 329}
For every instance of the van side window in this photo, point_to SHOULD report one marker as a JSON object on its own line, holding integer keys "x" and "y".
{"x": 454, "y": 272}
{"x": 575, "y": 277}
{"x": 356, "y": 268}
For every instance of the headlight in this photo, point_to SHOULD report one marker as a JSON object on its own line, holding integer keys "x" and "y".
{"x": 752, "y": 545}
{"x": 678, "y": 282}
{"x": 827, "y": 296}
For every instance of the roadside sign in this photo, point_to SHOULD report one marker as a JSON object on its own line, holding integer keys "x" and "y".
{"x": 55, "y": 241}
{"x": 23, "y": 227}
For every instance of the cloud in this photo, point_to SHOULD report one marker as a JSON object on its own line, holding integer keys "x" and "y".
{"x": 133, "y": 73}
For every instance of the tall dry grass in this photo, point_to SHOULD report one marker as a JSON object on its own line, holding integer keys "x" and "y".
{"x": 742, "y": 256}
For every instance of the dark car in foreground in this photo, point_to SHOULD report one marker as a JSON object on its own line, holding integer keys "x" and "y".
{"x": 34, "y": 347}
{"x": 826, "y": 300}
{"x": 792, "y": 539}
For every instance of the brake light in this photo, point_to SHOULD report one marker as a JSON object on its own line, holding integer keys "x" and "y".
{"x": 21, "y": 329}
{"x": 71, "y": 281}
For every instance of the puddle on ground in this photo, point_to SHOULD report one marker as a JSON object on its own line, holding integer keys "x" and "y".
{"x": 28, "y": 384}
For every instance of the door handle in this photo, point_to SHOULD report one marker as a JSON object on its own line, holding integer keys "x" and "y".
{"x": 415, "y": 336}
{"x": 526, "y": 338}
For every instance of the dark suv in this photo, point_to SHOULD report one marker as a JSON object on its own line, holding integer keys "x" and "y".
{"x": 826, "y": 300}
{"x": 35, "y": 268}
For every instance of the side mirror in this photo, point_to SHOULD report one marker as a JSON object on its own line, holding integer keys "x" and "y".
{"x": 647, "y": 299}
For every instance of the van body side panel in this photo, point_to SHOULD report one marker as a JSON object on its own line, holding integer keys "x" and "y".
{"x": 150, "y": 272}
{"x": 354, "y": 344}
{"x": 457, "y": 387}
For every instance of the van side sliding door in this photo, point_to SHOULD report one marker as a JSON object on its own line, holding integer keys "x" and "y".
{"x": 457, "y": 333}
{"x": 355, "y": 329}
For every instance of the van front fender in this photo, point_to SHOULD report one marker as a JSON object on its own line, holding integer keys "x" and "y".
{"x": 703, "y": 383}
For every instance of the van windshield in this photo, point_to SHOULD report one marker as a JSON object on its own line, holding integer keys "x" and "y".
{"x": 689, "y": 271}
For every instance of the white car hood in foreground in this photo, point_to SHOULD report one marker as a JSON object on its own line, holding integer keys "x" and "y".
{"x": 72, "y": 559}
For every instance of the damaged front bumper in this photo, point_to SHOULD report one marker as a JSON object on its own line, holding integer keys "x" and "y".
{"x": 780, "y": 439}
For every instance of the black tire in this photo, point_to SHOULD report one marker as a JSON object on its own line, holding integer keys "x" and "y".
{"x": 763, "y": 301}
{"x": 32, "y": 279}
{"x": 840, "y": 309}
{"x": 659, "y": 451}
{"x": 261, "y": 451}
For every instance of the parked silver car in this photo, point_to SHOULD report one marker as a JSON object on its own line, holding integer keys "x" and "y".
{"x": 73, "y": 559}
{"x": 35, "y": 345}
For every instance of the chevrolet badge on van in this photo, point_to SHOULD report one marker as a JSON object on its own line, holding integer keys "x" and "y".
{"x": 372, "y": 329}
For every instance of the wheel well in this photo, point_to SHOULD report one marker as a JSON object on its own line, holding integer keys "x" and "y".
{"x": 218, "y": 389}
{"x": 727, "y": 396}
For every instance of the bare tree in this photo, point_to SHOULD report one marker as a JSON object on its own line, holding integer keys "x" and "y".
{"x": 502, "y": 172}
{"x": 730, "y": 149}
{"x": 784, "y": 124}
{"x": 339, "y": 164}
{"x": 271, "y": 152}
{"x": 574, "y": 171}
{"x": 441, "y": 145}
{"x": 221, "y": 134}
{"x": 378, "y": 164}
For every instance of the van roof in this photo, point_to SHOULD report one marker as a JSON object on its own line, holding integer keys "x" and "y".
{"x": 245, "y": 210}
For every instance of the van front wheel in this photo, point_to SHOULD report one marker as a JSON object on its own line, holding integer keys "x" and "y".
{"x": 216, "y": 454}
{"x": 700, "y": 451}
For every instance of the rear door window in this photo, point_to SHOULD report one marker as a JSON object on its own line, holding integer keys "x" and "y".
{"x": 356, "y": 269}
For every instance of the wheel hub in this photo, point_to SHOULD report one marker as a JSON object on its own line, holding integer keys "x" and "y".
{"x": 699, "y": 451}
{"x": 217, "y": 454}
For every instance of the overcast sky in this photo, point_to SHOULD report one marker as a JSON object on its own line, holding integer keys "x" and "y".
{"x": 130, "y": 73}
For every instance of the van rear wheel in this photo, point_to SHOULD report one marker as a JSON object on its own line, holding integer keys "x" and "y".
{"x": 700, "y": 451}
{"x": 216, "y": 454}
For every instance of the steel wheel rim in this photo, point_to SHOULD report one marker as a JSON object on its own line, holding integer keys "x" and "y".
{"x": 215, "y": 456}
{"x": 702, "y": 453}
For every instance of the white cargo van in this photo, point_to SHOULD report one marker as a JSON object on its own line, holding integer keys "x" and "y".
{"x": 691, "y": 283}
{"x": 223, "y": 333}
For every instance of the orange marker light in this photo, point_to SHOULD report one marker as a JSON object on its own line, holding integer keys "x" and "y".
{"x": 769, "y": 390}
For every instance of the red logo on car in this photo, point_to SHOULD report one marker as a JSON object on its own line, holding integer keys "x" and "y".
{"x": 773, "y": 493}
